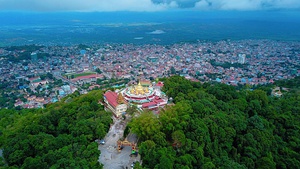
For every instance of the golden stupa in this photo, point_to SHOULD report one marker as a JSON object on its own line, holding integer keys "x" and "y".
{"x": 120, "y": 99}
{"x": 139, "y": 89}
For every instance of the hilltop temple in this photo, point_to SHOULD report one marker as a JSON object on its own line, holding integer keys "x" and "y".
{"x": 143, "y": 96}
{"x": 138, "y": 94}
{"x": 146, "y": 97}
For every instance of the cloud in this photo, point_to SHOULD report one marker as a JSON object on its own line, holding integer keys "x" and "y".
{"x": 246, "y": 4}
{"x": 84, "y": 5}
{"x": 157, "y": 32}
{"x": 144, "y": 5}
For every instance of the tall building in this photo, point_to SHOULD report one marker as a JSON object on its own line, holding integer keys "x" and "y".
{"x": 242, "y": 58}
{"x": 33, "y": 57}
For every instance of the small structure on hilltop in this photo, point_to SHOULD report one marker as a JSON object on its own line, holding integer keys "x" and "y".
{"x": 115, "y": 103}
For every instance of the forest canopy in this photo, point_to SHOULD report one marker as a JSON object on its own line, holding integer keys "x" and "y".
{"x": 208, "y": 126}
{"x": 217, "y": 126}
{"x": 60, "y": 136}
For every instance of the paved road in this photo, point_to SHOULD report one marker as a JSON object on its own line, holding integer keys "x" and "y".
{"x": 110, "y": 157}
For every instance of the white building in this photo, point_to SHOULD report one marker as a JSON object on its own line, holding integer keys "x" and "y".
{"x": 242, "y": 58}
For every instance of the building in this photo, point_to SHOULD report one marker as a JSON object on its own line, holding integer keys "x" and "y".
{"x": 115, "y": 103}
{"x": 145, "y": 83}
{"x": 159, "y": 85}
{"x": 82, "y": 52}
{"x": 138, "y": 94}
{"x": 144, "y": 97}
{"x": 156, "y": 103}
{"x": 87, "y": 79}
{"x": 147, "y": 97}
{"x": 242, "y": 58}
{"x": 34, "y": 57}
{"x": 39, "y": 82}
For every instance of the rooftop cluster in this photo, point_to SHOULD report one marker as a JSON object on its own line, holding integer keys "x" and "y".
{"x": 232, "y": 62}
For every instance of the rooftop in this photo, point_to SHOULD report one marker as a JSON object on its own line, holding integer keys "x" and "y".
{"x": 111, "y": 97}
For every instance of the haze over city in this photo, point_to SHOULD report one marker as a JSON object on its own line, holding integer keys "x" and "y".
{"x": 36, "y": 22}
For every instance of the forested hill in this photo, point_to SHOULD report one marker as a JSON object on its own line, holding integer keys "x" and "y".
{"x": 209, "y": 126}
{"x": 216, "y": 126}
{"x": 59, "y": 136}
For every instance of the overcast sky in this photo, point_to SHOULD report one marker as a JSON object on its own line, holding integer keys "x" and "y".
{"x": 145, "y": 5}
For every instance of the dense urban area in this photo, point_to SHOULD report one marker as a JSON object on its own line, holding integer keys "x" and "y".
{"x": 35, "y": 75}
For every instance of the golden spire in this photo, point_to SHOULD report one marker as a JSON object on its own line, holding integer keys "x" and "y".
{"x": 139, "y": 84}
{"x": 120, "y": 99}
{"x": 139, "y": 88}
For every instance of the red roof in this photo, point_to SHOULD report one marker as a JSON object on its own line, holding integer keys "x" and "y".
{"x": 160, "y": 84}
{"x": 158, "y": 100}
{"x": 111, "y": 97}
{"x": 148, "y": 104}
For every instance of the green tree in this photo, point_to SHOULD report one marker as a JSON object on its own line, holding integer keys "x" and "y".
{"x": 60, "y": 136}
{"x": 145, "y": 126}
{"x": 172, "y": 70}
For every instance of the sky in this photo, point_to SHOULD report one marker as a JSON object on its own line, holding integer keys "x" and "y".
{"x": 145, "y": 5}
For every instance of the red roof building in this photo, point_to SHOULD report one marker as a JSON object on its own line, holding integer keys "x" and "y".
{"x": 87, "y": 79}
{"x": 111, "y": 97}
{"x": 155, "y": 104}
{"x": 115, "y": 103}
{"x": 160, "y": 84}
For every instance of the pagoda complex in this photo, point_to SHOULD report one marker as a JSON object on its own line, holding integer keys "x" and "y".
{"x": 144, "y": 97}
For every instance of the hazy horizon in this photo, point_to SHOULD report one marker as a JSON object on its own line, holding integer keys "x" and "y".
{"x": 165, "y": 27}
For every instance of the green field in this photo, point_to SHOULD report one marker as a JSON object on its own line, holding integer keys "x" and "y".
{"x": 75, "y": 75}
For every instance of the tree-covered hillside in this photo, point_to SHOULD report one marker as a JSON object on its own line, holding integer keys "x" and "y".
{"x": 59, "y": 136}
{"x": 209, "y": 126}
{"x": 216, "y": 126}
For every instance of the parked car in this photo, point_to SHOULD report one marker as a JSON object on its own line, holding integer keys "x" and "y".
{"x": 102, "y": 142}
